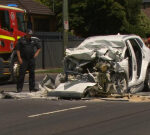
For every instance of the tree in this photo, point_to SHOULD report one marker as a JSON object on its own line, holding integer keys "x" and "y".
{"x": 46, "y": 2}
{"x": 107, "y": 17}
{"x": 96, "y": 17}
{"x": 144, "y": 24}
{"x": 99, "y": 17}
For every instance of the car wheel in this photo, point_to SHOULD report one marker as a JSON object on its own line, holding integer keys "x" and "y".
{"x": 120, "y": 84}
{"x": 147, "y": 80}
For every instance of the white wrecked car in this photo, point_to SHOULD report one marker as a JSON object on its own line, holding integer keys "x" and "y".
{"x": 105, "y": 65}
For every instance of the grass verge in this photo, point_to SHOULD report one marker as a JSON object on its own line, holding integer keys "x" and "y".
{"x": 51, "y": 70}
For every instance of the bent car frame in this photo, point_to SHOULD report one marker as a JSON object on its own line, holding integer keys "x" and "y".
{"x": 115, "y": 63}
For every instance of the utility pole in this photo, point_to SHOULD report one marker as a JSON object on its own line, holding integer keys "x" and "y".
{"x": 53, "y": 7}
{"x": 65, "y": 25}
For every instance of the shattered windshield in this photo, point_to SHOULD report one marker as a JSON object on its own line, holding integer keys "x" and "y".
{"x": 101, "y": 44}
{"x": 118, "y": 44}
{"x": 97, "y": 44}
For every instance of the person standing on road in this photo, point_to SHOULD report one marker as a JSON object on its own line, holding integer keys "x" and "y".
{"x": 26, "y": 56}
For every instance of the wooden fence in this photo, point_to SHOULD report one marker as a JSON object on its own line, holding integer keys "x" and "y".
{"x": 51, "y": 55}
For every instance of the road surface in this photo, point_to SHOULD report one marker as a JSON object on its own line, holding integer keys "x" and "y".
{"x": 12, "y": 87}
{"x": 76, "y": 117}
{"x": 71, "y": 117}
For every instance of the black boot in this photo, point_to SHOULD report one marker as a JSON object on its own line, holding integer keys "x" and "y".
{"x": 34, "y": 90}
{"x": 19, "y": 90}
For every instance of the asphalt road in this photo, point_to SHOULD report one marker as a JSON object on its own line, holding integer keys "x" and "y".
{"x": 8, "y": 86}
{"x": 71, "y": 117}
{"x": 64, "y": 117}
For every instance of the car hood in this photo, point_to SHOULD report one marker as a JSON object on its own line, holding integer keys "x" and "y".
{"x": 97, "y": 50}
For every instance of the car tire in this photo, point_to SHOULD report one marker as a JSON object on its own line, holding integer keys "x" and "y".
{"x": 147, "y": 80}
{"x": 120, "y": 83}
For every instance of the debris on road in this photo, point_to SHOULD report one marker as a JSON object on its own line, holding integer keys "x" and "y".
{"x": 136, "y": 98}
{"x": 1, "y": 94}
{"x": 26, "y": 95}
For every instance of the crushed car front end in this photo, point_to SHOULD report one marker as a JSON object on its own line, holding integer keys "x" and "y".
{"x": 98, "y": 61}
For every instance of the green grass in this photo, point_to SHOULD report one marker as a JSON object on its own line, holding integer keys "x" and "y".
{"x": 51, "y": 70}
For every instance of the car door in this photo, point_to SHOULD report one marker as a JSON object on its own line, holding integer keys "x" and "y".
{"x": 127, "y": 62}
{"x": 132, "y": 69}
{"x": 137, "y": 54}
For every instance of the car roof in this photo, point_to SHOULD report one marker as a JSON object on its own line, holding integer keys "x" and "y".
{"x": 117, "y": 37}
{"x": 109, "y": 38}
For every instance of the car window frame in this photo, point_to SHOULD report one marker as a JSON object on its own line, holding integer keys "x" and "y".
{"x": 137, "y": 55}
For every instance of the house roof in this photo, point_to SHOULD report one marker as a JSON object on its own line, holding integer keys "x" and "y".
{"x": 147, "y": 11}
{"x": 146, "y": 0}
{"x": 30, "y": 6}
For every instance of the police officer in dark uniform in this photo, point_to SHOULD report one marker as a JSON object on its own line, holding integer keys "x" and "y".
{"x": 26, "y": 54}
